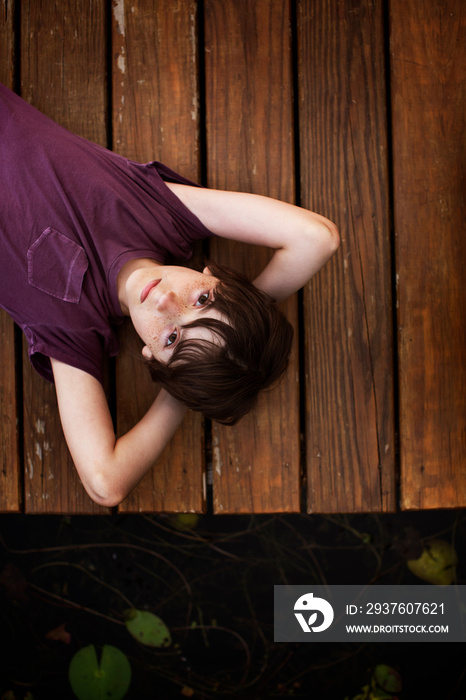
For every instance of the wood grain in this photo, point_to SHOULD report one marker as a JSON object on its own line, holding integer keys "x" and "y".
{"x": 59, "y": 44}
{"x": 250, "y": 148}
{"x": 10, "y": 469}
{"x": 156, "y": 117}
{"x": 341, "y": 149}
{"x": 347, "y": 307}
{"x": 7, "y": 43}
{"x": 428, "y": 60}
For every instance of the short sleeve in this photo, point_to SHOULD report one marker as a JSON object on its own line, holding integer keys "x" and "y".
{"x": 85, "y": 350}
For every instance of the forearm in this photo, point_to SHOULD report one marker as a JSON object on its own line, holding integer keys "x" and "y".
{"x": 110, "y": 468}
{"x": 293, "y": 265}
{"x": 119, "y": 471}
{"x": 303, "y": 241}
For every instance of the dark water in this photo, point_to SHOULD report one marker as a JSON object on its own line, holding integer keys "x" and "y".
{"x": 213, "y": 587}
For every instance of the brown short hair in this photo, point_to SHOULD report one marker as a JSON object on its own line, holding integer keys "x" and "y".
{"x": 223, "y": 381}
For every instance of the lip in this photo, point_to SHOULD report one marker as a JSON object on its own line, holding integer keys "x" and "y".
{"x": 147, "y": 289}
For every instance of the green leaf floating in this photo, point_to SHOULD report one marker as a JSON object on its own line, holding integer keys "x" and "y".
{"x": 90, "y": 681}
{"x": 387, "y": 678}
{"x": 437, "y": 563}
{"x": 147, "y": 628}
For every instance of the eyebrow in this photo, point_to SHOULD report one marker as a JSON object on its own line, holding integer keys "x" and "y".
{"x": 171, "y": 348}
{"x": 188, "y": 327}
{"x": 204, "y": 307}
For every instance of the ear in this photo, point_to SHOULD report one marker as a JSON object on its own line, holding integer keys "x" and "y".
{"x": 206, "y": 271}
{"x": 146, "y": 353}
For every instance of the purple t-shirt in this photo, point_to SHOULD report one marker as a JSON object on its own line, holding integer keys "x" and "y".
{"x": 71, "y": 214}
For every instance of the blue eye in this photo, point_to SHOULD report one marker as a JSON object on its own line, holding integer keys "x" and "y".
{"x": 172, "y": 338}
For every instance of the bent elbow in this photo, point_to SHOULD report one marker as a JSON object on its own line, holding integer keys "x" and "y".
{"x": 110, "y": 501}
{"x": 334, "y": 237}
{"x": 321, "y": 237}
{"x": 104, "y": 492}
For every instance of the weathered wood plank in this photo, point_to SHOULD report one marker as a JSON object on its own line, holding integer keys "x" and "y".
{"x": 10, "y": 494}
{"x": 250, "y": 148}
{"x": 63, "y": 75}
{"x": 428, "y": 59}
{"x": 7, "y": 42}
{"x": 156, "y": 117}
{"x": 347, "y": 307}
{"x": 10, "y": 468}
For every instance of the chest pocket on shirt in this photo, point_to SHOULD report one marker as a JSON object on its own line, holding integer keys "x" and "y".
{"x": 56, "y": 265}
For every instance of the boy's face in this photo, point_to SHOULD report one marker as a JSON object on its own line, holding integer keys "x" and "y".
{"x": 163, "y": 299}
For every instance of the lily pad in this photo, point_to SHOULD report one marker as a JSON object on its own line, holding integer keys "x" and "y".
{"x": 108, "y": 680}
{"x": 436, "y": 563}
{"x": 147, "y": 628}
{"x": 185, "y": 521}
{"x": 387, "y": 678}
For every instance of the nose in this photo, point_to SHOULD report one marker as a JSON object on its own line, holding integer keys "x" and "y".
{"x": 167, "y": 301}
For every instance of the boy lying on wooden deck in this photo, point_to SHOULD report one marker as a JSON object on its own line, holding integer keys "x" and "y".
{"x": 86, "y": 235}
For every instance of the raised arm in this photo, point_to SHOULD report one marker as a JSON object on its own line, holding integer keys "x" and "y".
{"x": 303, "y": 241}
{"x": 109, "y": 468}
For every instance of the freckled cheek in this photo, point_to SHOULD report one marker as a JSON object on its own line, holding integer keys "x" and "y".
{"x": 154, "y": 329}
{"x": 149, "y": 328}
